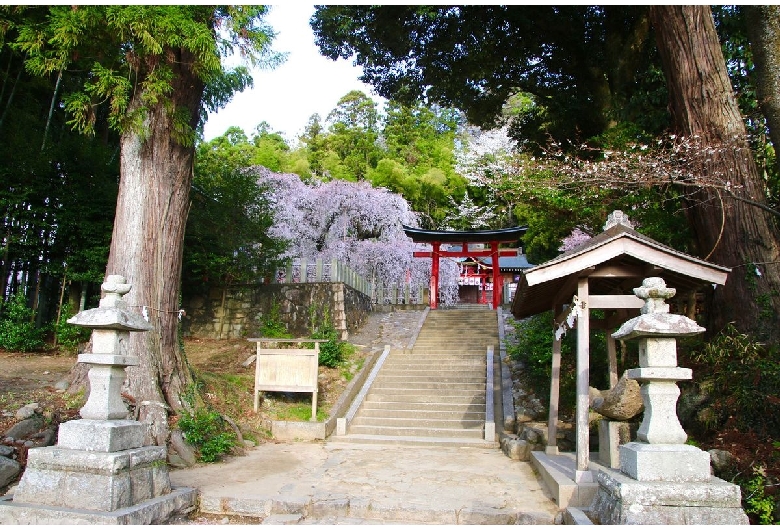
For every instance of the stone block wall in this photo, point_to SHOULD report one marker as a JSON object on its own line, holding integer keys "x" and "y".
{"x": 239, "y": 311}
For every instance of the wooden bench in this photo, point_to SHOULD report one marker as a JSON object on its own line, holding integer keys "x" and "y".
{"x": 287, "y": 369}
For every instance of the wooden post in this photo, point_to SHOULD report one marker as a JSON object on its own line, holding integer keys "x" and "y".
{"x": 314, "y": 394}
{"x": 582, "y": 473}
{"x": 555, "y": 385}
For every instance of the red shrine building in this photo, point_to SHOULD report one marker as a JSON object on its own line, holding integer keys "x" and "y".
{"x": 476, "y": 252}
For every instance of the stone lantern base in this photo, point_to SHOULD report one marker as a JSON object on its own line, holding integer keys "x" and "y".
{"x": 98, "y": 473}
{"x": 622, "y": 500}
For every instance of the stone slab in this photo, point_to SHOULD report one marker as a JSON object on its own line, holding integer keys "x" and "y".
{"x": 60, "y": 458}
{"x": 383, "y": 482}
{"x": 623, "y": 500}
{"x": 558, "y": 472}
{"x": 664, "y": 462}
{"x": 105, "y": 436}
{"x": 160, "y": 510}
{"x": 298, "y": 430}
{"x": 611, "y": 435}
{"x": 108, "y": 359}
{"x": 83, "y": 480}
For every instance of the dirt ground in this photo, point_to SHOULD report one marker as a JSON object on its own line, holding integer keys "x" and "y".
{"x": 31, "y": 377}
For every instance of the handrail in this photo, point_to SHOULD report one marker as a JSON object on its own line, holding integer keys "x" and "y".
{"x": 343, "y": 423}
{"x": 490, "y": 422}
{"x": 507, "y": 399}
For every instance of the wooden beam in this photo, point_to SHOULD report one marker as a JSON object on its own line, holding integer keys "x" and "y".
{"x": 615, "y": 301}
{"x": 565, "y": 293}
{"x": 618, "y": 271}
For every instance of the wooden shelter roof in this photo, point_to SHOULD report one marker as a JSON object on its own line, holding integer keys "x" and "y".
{"x": 615, "y": 261}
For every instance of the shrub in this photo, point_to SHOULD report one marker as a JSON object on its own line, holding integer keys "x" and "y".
{"x": 532, "y": 345}
{"x": 272, "y": 325}
{"x": 746, "y": 379}
{"x": 208, "y": 433}
{"x": 68, "y": 335}
{"x": 331, "y": 352}
{"x": 758, "y": 503}
{"x": 17, "y": 327}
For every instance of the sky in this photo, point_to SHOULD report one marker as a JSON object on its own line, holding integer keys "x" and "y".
{"x": 288, "y": 95}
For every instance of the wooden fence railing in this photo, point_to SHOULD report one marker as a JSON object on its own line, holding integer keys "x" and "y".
{"x": 312, "y": 271}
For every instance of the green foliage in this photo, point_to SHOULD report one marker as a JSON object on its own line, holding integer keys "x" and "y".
{"x": 331, "y": 353}
{"x": 532, "y": 345}
{"x": 17, "y": 327}
{"x": 746, "y": 379}
{"x": 208, "y": 432}
{"x": 580, "y": 80}
{"x": 271, "y": 325}
{"x": 141, "y": 50}
{"x": 757, "y": 501}
{"x": 300, "y": 412}
{"x": 334, "y": 352}
{"x": 68, "y": 335}
{"x": 226, "y": 240}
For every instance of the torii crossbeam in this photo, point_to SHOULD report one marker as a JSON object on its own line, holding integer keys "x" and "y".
{"x": 492, "y": 237}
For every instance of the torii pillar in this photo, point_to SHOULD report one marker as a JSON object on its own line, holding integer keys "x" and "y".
{"x": 435, "y": 274}
{"x": 497, "y": 281}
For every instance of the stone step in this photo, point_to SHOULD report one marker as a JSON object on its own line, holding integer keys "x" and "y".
{"x": 407, "y": 413}
{"x": 442, "y": 346}
{"x": 433, "y": 367}
{"x": 463, "y": 398}
{"x": 413, "y": 386}
{"x": 417, "y": 431}
{"x": 417, "y": 423}
{"x": 429, "y": 376}
{"x": 439, "y": 354}
{"x": 472, "y": 350}
{"x": 470, "y": 353}
{"x": 415, "y": 440}
{"x": 440, "y": 365}
{"x": 421, "y": 408}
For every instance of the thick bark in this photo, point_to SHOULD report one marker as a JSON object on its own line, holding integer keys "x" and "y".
{"x": 146, "y": 248}
{"x": 729, "y": 231}
{"x": 763, "y": 28}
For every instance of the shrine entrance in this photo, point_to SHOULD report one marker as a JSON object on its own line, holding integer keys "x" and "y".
{"x": 468, "y": 244}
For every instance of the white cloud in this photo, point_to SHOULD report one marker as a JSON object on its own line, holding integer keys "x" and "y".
{"x": 287, "y": 96}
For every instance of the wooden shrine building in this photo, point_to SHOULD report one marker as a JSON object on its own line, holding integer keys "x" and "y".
{"x": 601, "y": 274}
{"x": 493, "y": 238}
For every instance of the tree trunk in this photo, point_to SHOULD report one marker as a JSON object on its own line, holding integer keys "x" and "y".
{"x": 728, "y": 230}
{"x": 146, "y": 248}
{"x": 763, "y": 28}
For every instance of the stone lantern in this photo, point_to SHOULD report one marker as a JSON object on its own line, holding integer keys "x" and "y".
{"x": 100, "y": 472}
{"x": 662, "y": 480}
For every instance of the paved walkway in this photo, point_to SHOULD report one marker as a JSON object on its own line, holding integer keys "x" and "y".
{"x": 347, "y": 483}
{"x": 334, "y": 482}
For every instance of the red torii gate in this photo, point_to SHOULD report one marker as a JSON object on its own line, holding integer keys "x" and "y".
{"x": 492, "y": 237}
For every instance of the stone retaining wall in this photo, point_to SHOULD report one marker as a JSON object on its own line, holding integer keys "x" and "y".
{"x": 239, "y": 311}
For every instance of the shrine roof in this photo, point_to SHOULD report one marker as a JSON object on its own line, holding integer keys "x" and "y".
{"x": 616, "y": 261}
{"x": 509, "y": 263}
{"x": 503, "y": 235}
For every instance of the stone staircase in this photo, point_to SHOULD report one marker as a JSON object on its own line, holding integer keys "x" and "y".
{"x": 435, "y": 392}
